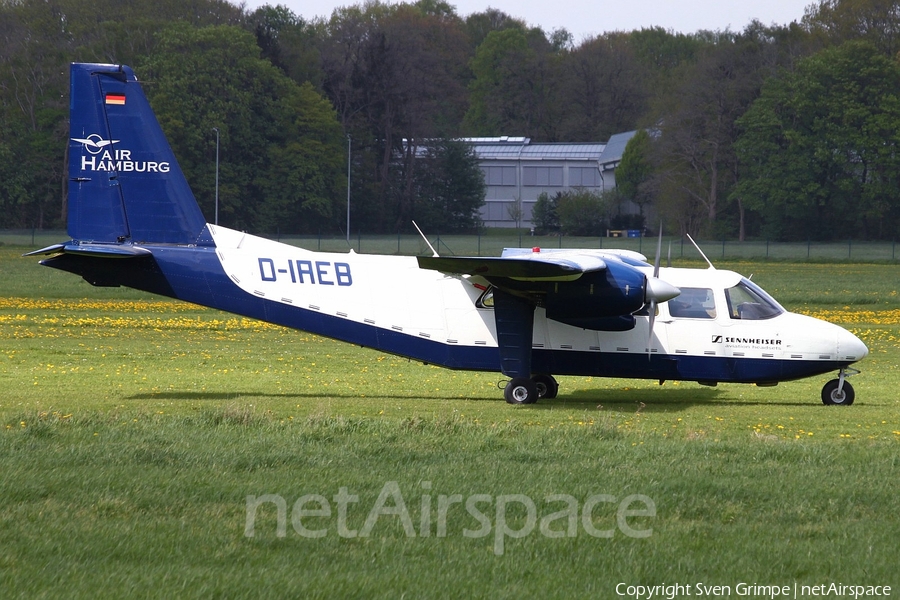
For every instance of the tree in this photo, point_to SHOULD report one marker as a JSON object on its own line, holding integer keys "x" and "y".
{"x": 664, "y": 56}
{"x": 394, "y": 76}
{"x": 820, "y": 149}
{"x": 604, "y": 87}
{"x": 479, "y": 24}
{"x": 449, "y": 187}
{"x": 582, "y": 212}
{"x": 288, "y": 42}
{"x": 515, "y": 86}
{"x": 544, "y": 214}
{"x": 282, "y": 149}
{"x": 305, "y": 175}
{"x": 695, "y": 156}
{"x": 15, "y": 200}
{"x": 37, "y": 39}
{"x": 839, "y": 21}
{"x": 634, "y": 175}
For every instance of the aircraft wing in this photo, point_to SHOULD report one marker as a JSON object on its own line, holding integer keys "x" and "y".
{"x": 523, "y": 268}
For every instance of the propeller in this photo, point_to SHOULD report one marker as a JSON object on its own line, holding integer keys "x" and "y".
{"x": 657, "y": 290}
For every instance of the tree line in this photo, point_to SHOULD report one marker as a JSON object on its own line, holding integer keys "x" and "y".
{"x": 778, "y": 131}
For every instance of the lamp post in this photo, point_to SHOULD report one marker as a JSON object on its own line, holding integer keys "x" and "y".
{"x": 349, "y": 146}
{"x": 216, "y": 221}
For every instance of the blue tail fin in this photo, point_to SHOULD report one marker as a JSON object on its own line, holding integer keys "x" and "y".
{"x": 124, "y": 182}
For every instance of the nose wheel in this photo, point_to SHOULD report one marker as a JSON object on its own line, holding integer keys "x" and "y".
{"x": 839, "y": 391}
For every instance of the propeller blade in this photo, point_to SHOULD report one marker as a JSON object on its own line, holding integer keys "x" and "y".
{"x": 657, "y": 290}
{"x": 658, "y": 253}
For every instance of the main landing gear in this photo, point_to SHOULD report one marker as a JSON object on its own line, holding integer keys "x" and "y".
{"x": 839, "y": 391}
{"x": 522, "y": 390}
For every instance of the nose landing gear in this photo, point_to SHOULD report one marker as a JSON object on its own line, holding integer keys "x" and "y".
{"x": 839, "y": 391}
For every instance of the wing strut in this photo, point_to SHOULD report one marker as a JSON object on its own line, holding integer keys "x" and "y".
{"x": 515, "y": 327}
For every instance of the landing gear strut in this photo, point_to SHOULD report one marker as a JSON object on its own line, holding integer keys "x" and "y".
{"x": 839, "y": 391}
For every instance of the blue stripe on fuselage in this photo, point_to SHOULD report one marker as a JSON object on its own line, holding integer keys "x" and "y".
{"x": 196, "y": 275}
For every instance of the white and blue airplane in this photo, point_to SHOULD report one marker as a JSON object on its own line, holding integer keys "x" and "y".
{"x": 530, "y": 314}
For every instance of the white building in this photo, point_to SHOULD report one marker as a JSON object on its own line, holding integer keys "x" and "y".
{"x": 517, "y": 172}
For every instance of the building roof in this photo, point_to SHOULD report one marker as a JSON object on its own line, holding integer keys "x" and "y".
{"x": 521, "y": 148}
{"x": 612, "y": 154}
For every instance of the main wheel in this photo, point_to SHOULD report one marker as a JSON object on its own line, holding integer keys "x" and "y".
{"x": 547, "y": 387}
{"x": 830, "y": 394}
{"x": 521, "y": 390}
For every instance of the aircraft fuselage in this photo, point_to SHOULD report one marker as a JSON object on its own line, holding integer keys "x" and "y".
{"x": 391, "y": 304}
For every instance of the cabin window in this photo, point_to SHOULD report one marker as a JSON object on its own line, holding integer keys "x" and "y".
{"x": 487, "y": 299}
{"x": 748, "y": 301}
{"x": 693, "y": 303}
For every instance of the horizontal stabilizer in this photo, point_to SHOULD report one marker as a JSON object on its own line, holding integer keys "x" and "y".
{"x": 98, "y": 250}
{"x": 531, "y": 268}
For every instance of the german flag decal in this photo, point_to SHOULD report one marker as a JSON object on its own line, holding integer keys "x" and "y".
{"x": 115, "y": 98}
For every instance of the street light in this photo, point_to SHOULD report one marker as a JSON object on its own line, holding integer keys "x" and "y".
{"x": 216, "y": 129}
{"x": 349, "y": 146}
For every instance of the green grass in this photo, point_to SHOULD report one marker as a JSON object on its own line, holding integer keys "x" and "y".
{"x": 132, "y": 430}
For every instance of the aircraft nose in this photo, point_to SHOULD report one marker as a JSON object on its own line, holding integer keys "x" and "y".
{"x": 850, "y": 347}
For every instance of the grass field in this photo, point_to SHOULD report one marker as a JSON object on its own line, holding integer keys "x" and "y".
{"x": 133, "y": 430}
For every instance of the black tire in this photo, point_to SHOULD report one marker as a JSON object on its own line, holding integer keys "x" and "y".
{"x": 547, "y": 387}
{"x": 830, "y": 396}
{"x": 521, "y": 390}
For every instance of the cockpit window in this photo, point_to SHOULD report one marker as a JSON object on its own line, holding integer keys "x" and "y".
{"x": 748, "y": 301}
{"x": 693, "y": 303}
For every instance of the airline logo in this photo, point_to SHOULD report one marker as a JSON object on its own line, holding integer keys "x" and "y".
{"x": 102, "y": 155}
{"x": 94, "y": 144}
{"x": 743, "y": 342}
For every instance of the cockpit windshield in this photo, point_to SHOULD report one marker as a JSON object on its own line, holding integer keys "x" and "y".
{"x": 748, "y": 301}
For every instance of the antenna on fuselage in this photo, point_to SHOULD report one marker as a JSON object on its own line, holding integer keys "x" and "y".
{"x": 434, "y": 253}
{"x": 700, "y": 251}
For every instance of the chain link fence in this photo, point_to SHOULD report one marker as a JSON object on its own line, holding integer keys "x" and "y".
{"x": 492, "y": 243}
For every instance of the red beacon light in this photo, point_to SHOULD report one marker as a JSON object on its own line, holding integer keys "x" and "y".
{"x": 536, "y": 249}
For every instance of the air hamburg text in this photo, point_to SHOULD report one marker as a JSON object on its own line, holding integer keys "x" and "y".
{"x": 120, "y": 160}
{"x": 320, "y": 272}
